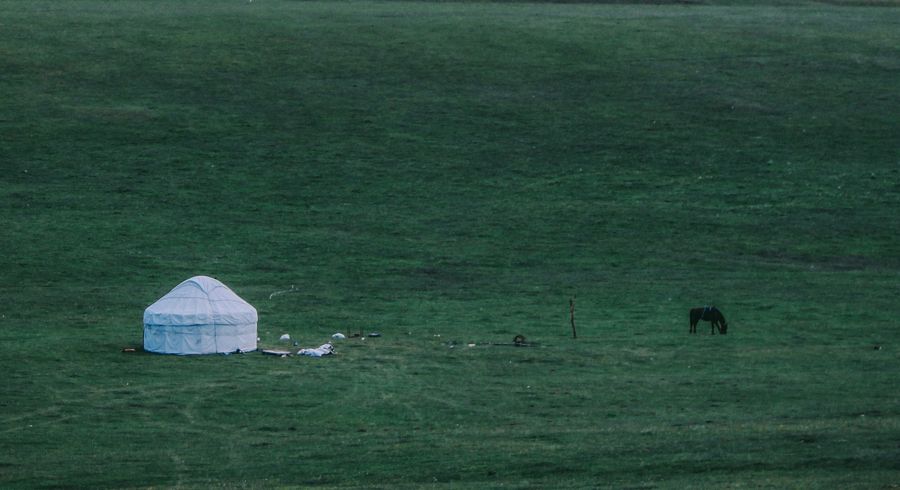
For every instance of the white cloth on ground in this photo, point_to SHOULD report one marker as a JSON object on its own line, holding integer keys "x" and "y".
{"x": 322, "y": 350}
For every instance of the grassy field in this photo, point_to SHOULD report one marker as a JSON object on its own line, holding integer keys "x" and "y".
{"x": 451, "y": 174}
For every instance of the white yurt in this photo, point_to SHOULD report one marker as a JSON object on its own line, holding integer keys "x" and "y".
{"x": 200, "y": 316}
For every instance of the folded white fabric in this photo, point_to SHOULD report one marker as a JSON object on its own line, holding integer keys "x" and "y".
{"x": 322, "y": 350}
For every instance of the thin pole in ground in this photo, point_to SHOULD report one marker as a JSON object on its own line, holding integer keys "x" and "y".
{"x": 572, "y": 316}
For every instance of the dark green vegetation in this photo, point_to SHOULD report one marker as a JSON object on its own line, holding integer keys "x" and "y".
{"x": 447, "y": 173}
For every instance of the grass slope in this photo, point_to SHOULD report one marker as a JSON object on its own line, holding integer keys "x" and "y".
{"x": 448, "y": 173}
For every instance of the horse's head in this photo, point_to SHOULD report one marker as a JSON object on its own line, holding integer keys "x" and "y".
{"x": 723, "y": 328}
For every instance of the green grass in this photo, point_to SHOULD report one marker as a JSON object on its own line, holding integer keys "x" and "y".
{"x": 447, "y": 173}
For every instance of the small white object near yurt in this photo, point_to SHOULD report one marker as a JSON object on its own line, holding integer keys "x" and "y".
{"x": 200, "y": 316}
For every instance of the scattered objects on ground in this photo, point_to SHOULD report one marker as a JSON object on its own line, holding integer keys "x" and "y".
{"x": 518, "y": 341}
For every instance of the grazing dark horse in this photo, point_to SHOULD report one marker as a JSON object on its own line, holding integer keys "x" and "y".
{"x": 712, "y": 315}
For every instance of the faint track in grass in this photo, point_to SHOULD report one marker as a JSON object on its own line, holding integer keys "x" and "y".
{"x": 18, "y": 422}
{"x": 181, "y": 469}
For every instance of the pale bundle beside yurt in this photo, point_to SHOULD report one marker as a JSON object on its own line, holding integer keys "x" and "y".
{"x": 200, "y": 316}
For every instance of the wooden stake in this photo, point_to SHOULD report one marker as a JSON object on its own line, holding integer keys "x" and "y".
{"x": 572, "y": 312}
